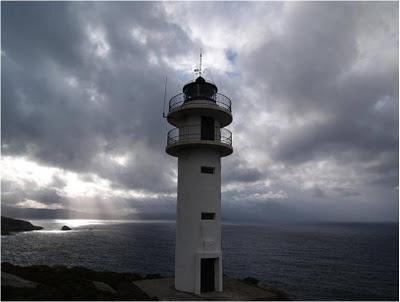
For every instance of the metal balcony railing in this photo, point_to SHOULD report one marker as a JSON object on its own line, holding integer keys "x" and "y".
{"x": 182, "y": 99}
{"x": 193, "y": 133}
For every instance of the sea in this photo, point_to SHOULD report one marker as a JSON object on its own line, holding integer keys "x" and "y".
{"x": 329, "y": 261}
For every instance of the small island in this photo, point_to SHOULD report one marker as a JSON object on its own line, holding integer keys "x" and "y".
{"x": 11, "y": 225}
{"x": 65, "y": 228}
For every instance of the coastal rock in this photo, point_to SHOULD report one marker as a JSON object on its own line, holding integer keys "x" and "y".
{"x": 65, "y": 228}
{"x": 104, "y": 287}
{"x": 251, "y": 280}
{"x": 61, "y": 283}
{"x": 15, "y": 225}
{"x": 15, "y": 281}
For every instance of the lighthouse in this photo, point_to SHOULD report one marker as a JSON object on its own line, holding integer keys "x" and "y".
{"x": 199, "y": 140}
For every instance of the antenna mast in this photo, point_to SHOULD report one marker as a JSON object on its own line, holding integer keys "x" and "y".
{"x": 201, "y": 61}
{"x": 165, "y": 94}
{"x": 199, "y": 70}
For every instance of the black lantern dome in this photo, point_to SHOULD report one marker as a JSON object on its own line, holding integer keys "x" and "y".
{"x": 200, "y": 89}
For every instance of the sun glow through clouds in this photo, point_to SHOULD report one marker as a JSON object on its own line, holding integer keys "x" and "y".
{"x": 75, "y": 186}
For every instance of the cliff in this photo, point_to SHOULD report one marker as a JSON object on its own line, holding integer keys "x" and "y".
{"x": 9, "y": 225}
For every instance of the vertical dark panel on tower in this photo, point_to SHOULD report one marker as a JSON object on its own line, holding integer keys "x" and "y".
{"x": 207, "y": 128}
{"x": 207, "y": 275}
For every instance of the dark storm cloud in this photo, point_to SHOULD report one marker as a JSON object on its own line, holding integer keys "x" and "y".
{"x": 311, "y": 69}
{"x": 240, "y": 171}
{"x": 60, "y": 125}
{"x": 37, "y": 32}
{"x": 82, "y": 90}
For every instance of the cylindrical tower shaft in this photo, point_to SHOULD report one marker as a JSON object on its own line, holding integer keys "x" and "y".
{"x": 199, "y": 142}
{"x": 198, "y": 228}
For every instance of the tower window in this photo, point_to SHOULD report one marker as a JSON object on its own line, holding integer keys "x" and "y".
{"x": 207, "y": 216}
{"x": 208, "y": 170}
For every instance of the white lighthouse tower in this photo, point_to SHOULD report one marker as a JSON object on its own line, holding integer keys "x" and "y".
{"x": 199, "y": 141}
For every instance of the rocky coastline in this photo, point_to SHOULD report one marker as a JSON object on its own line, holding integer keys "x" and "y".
{"x": 11, "y": 225}
{"x": 58, "y": 283}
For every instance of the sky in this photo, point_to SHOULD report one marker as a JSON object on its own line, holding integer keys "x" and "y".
{"x": 314, "y": 90}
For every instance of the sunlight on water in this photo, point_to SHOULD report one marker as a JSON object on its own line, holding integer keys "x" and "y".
{"x": 55, "y": 231}
{"x": 73, "y": 223}
{"x": 54, "y": 225}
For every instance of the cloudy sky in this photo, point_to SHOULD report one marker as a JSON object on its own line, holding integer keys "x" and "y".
{"x": 314, "y": 90}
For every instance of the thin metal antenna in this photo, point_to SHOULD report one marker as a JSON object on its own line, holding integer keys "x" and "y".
{"x": 201, "y": 61}
{"x": 165, "y": 95}
{"x": 199, "y": 70}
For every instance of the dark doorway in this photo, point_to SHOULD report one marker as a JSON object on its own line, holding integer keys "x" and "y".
{"x": 207, "y": 128}
{"x": 207, "y": 275}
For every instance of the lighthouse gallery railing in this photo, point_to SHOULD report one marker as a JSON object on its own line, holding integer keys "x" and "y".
{"x": 182, "y": 99}
{"x": 193, "y": 133}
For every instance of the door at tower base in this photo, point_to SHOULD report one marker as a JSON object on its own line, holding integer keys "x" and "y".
{"x": 207, "y": 272}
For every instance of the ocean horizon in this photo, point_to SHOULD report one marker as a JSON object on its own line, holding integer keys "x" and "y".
{"x": 315, "y": 261}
